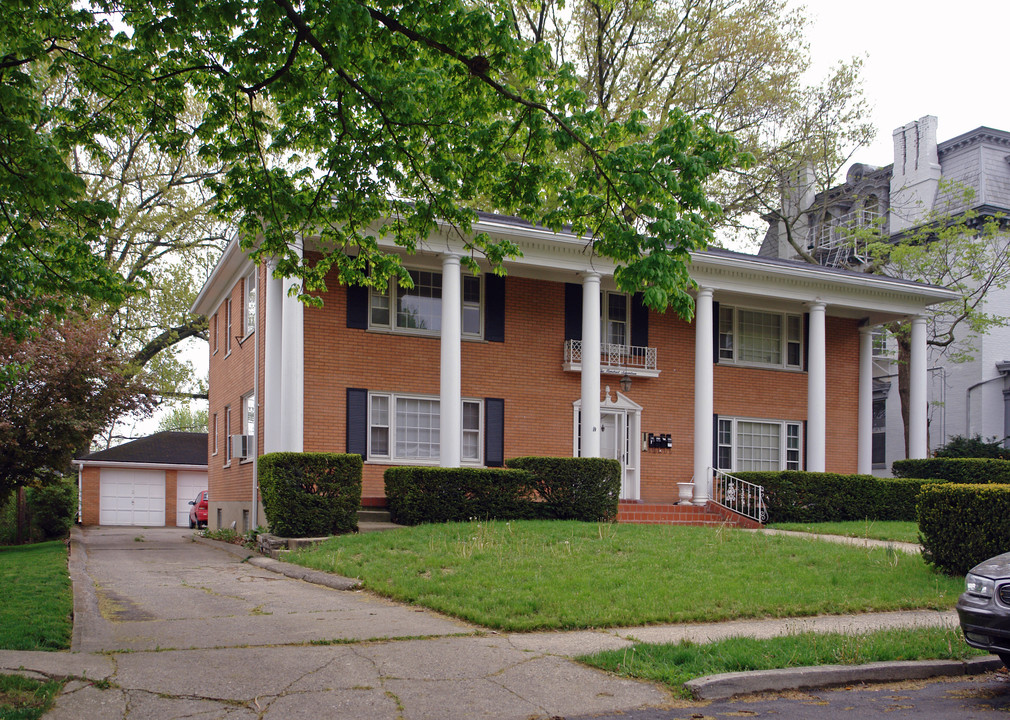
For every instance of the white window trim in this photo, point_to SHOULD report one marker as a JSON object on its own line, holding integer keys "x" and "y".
{"x": 392, "y": 292}
{"x": 214, "y": 428}
{"x": 391, "y": 458}
{"x": 216, "y": 323}
{"x": 227, "y": 435}
{"x": 783, "y": 439}
{"x": 251, "y": 395}
{"x": 605, "y": 318}
{"x": 783, "y": 339}
{"x": 228, "y": 325}
{"x": 249, "y": 324}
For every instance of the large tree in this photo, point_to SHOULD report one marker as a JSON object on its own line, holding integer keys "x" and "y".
{"x": 332, "y": 116}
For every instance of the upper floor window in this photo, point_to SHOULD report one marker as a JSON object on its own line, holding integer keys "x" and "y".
{"x": 215, "y": 331}
{"x": 745, "y": 444}
{"x": 419, "y": 308}
{"x": 249, "y": 303}
{"x": 227, "y": 326}
{"x": 760, "y": 338}
{"x": 615, "y": 319}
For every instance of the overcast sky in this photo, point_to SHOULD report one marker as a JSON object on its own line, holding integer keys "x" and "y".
{"x": 947, "y": 59}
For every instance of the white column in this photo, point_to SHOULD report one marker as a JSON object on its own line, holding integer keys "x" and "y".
{"x": 864, "y": 454}
{"x": 817, "y": 415}
{"x": 917, "y": 390}
{"x": 272, "y": 332}
{"x": 451, "y": 364}
{"x": 591, "y": 365}
{"x": 704, "y": 391}
{"x": 292, "y": 367}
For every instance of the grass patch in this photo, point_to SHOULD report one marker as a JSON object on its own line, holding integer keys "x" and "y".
{"x": 22, "y": 698}
{"x": 893, "y": 530}
{"x": 529, "y": 575}
{"x": 675, "y": 664}
{"x": 37, "y": 600}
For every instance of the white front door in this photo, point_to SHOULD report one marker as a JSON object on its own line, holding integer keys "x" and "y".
{"x": 620, "y": 427}
{"x": 132, "y": 497}
{"x": 612, "y": 436}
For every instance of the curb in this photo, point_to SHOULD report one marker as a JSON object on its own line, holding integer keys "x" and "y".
{"x": 726, "y": 685}
{"x": 296, "y": 572}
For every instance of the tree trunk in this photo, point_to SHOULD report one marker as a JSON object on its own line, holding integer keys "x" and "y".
{"x": 21, "y": 512}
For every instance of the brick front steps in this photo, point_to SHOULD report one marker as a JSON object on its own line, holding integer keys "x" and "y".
{"x": 632, "y": 511}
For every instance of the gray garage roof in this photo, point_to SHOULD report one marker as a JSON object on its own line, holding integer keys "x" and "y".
{"x": 164, "y": 448}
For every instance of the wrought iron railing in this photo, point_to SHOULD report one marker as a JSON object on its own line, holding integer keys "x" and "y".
{"x": 615, "y": 358}
{"x": 740, "y": 496}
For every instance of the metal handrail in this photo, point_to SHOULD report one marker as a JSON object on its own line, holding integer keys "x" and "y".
{"x": 742, "y": 497}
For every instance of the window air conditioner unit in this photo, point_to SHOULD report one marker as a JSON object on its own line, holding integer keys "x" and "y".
{"x": 242, "y": 446}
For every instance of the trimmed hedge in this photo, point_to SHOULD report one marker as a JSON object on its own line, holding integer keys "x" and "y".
{"x": 530, "y": 487}
{"x": 966, "y": 471}
{"x": 53, "y": 507}
{"x": 962, "y": 525}
{"x": 585, "y": 489}
{"x": 431, "y": 494}
{"x": 310, "y": 494}
{"x": 796, "y": 496}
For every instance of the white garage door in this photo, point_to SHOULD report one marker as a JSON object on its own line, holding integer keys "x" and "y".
{"x": 132, "y": 497}
{"x": 187, "y": 486}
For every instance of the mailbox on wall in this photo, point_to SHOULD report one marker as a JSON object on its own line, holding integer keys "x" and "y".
{"x": 661, "y": 441}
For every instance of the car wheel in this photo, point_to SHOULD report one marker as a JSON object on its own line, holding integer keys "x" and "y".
{"x": 1005, "y": 657}
{"x": 192, "y": 524}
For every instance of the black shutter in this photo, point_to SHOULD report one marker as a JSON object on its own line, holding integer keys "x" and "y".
{"x": 494, "y": 432}
{"x": 494, "y": 308}
{"x": 715, "y": 332}
{"x": 573, "y": 311}
{"x": 806, "y": 342}
{"x": 357, "y": 307}
{"x": 715, "y": 441}
{"x": 357, "y": 422}
{"x": 639, "y": 321}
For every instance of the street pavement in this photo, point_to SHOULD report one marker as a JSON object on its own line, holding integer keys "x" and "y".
{"x": 166, "y": 627}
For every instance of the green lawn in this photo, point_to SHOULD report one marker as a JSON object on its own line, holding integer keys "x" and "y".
{"x": 22, "y": 698}
{"x": 894, "y": 530}
{"x": 675, "y": 664}
{"x": 528, "y": 575}
{"x": 37, "y": 600}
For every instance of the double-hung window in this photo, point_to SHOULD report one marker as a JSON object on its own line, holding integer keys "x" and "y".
{"x": 615, "y": 319}
{"x": 249, "y": 303}
{"x": 757, "y": 337}
{"x": 745, "y": 444}
{"x": 418, "y": 309}
{"x": 406, "y": 428}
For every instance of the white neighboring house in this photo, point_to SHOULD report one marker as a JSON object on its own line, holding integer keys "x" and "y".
{"x": 965, "y": 398}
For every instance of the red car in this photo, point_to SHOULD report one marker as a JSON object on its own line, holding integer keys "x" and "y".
{"x": 198, "y": 513}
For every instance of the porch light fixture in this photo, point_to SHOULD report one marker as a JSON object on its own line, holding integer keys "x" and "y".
{"x": 626, "y": 383}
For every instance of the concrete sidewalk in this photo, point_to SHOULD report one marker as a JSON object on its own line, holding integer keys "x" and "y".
{"x": 173, "y": 628}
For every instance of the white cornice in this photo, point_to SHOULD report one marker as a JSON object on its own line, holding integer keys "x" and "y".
{"x": 138, "y": 465}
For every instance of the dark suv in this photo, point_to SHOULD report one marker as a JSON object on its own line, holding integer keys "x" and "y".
{"x": 984, "y": 607}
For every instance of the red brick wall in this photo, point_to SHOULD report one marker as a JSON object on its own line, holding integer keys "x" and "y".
{"x": 90, "y": 495}
{"x": 231, "y": 376}
{"x": 527, "y": 372}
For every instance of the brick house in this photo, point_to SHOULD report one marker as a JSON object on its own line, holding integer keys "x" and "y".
{"x": 549, "y": 360}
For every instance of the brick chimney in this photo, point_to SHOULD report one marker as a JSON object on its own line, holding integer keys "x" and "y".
{"x": 916, "y": 175}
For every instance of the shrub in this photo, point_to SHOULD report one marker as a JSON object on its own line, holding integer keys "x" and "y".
{"x": 796, "y": 496}
{"x": 962, "y": 525}
{"x": 970, "y": 471}
{"x": 53, "y": 507}
{"x": 585, "y": 489}
{"x": 974, "y": 447}
{"x": 310, "y": 494}
{"x": 431, "y": 494}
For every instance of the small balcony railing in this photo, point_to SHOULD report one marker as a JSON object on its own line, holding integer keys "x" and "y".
{"x": 615, "y": 359}
{"x": 740, "y": 496}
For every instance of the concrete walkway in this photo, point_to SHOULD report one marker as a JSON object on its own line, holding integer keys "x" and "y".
{"x": 173, "y": 628}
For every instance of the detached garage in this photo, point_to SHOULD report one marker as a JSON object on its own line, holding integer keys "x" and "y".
{"x": 147, "y": 482}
